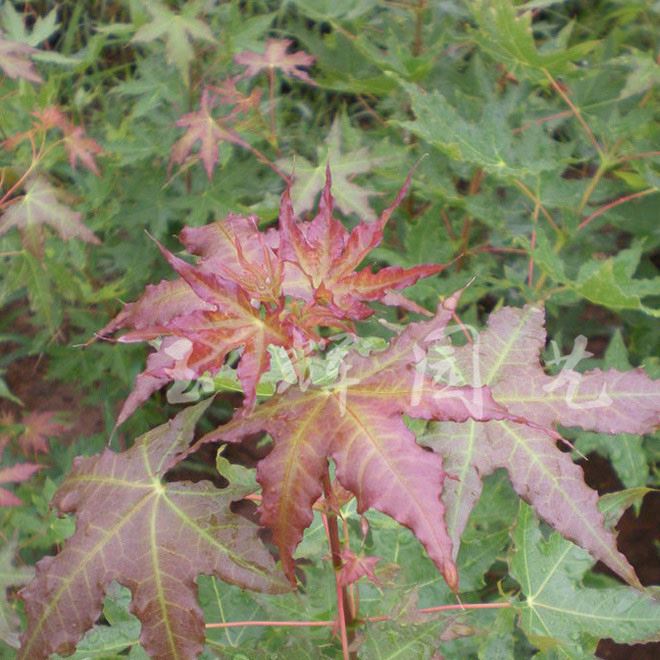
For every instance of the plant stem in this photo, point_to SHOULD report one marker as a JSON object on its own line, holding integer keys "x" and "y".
{"x": 344, "y": 614}
{"x": 271, "y": 105}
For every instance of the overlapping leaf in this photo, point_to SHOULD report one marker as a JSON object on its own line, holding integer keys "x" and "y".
{"x": 253, "y": 289}
{"x": 153, "y": 538}
{"x": 506, "y": 358}
{"x": 557, "y": 610}
{"x": 358, "y": 422}
{"x": 488, "y": 143}
{"x": 10, "y": 576}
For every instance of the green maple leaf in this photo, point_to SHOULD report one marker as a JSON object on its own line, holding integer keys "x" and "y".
{"x": 309, "y": 179}
{"x": 178, "y": 30}
{"x": 558, "y": 611}
{"x": 10, "y": 576}
{"x": 154, "y": 538}
{"x": 610, "y": 282}
{"x": 508, "y": 37}
{"x": 489, "y": 143}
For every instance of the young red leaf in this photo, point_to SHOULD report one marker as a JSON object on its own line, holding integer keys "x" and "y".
{"x": 355, "y": 567}
{"x": 505, "y": 357}
{"x": 276, "y": 57}
{"x": 39, "y": 206}
{"x": 198, "y": 341}
{"x": 15, "y": 60}
{"x": 82, "y": 148}
{"x": 209, "y": 131}
{"x": 38, "y": 427}
{"x": 358, "y": 422}
{"x": 155, "y": 539}
{"x": 15, "y": 474}
{"x": 322, "y": 257}
{"x": 78, "y": 146}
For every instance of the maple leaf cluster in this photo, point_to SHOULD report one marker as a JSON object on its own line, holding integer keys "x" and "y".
{"x": 251, "y": 289}
{"x": 78, "y": 145}
{"x": 222, "y": 105}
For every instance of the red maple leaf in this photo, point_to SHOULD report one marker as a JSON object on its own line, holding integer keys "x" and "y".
{"x": 152, "y": 536}
{"x": 276, "y": 57}
{"x": 37, "y": 428}
{"x": 206, "y": 129}
{"x": 358, "y": 422}
{"x": 322, "y": 257}
{"x": 505, "y": 357}
{"x": 251, "y": 289}
{"x": 14, "y": 474}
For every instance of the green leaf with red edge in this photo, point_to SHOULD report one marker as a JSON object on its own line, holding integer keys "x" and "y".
{"x": 251, "y": 289}
{"x": 275, "y": 56}
{"x": 156, "y": 538}
{"x": 358, "y": 422}
{"x": 309, "y": 180}
{"x": 505, "y": 357}
{"x": 39, "y": 206}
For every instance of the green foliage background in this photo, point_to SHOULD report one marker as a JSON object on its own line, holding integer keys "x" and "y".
{"x": 535, "y": 126}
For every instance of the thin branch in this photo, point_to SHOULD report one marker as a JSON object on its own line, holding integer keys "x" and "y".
{"x": 288, "y": 624}
{"x": 369, "y": 619}
{"x": 576, "y": 111}
{"x": 523, "y": 188}
{"x": 617, "y": 202}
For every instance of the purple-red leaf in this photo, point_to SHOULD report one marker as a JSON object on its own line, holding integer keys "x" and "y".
{"x": 505, "y": 357}
{"x": 358, "y": 422}
{"x": 154, "y": 538}
{"x": 251, "y": 289}
{"x": 15, "y": 60}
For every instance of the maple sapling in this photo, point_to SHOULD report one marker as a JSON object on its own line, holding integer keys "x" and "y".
{"x": 259, "y": 294}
